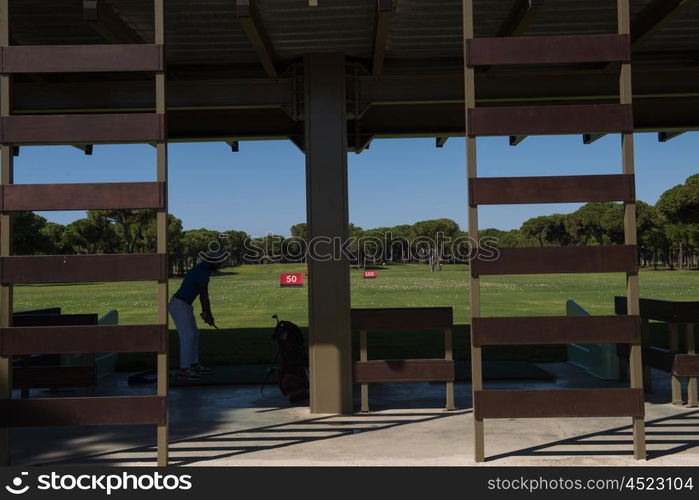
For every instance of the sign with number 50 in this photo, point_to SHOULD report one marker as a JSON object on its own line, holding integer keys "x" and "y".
{"x": 291, "y": 279}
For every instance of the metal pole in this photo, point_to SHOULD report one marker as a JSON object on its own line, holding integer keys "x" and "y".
{"x": 161, "y": 226}
{"x": 328, "y": 223}
{"x": 692, "y": 399}
{"x": 475, "y": 297}
{"x": 363, "y": 356}
{"x": 449, "y": 356}
{"x": 674, "y": 348}
{"x": 6, "y": 177}
{"x": 632, "y": 290}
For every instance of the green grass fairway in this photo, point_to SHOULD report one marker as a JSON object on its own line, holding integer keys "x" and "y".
{"x": 244, "y": 298}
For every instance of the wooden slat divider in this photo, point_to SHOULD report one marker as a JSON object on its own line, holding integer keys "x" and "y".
{"x": 87, "y": 196}
{"x": 82, "y": 268}
{"x": 559, "y": 403}
{"x": 82, "y": 58}
{"x": 556, "y": 330}
{"x": 570, "y": 49}
{"x": 70, "y": 129}
{"x": 553, "y": 260}
{"x": 403, "y": 370}
{"x": 550, "y": 119}
{"x": 83, "y": 339}
{"x": 54, "y": 412}
{"x": 554, "y": 189}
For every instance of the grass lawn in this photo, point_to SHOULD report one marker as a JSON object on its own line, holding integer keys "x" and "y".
{"x": 244, "y": 298}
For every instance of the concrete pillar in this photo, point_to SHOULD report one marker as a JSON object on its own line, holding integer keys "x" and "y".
{"x": 327, "y": 220}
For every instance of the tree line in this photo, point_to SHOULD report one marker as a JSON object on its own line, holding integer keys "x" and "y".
{"x": 668, "y": 235}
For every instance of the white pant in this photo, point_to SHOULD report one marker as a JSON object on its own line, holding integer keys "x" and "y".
{"x": 183, "y": 316}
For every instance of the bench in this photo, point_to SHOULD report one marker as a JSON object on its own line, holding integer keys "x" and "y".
{"x": 45, "y": 370}
{"x": 367, "y": 371}
{"x": 675, "y": 314}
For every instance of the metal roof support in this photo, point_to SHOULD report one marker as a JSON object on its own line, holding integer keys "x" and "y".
{"x": 653, "y": 18}
{"x": 235, "y": 146}
{"x": 384, "y": 13}
{"x": 108, "y": 23}
{"x": 590, "y": 138}
{"x": 666, "y": 136}
{"x": 249, "y": 20}
{"x": 330, "y": 334}
{"x": 520, "y": 17}
{"x": 440, "y": 141}
{"x": 85, "y": 148}
{"x": 516, "y": 139}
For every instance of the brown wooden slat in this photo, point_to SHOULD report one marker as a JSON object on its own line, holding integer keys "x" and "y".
{"x": 537, "y": 120}
{"x": 552, "y": 260}
{"x": 35, "y": 377}
{"x": 54, "y": 412}
{"x": 686, "y": 365}
{"x": 556, "y": 330}
{"x": 103, "y": 196}
{"x": 22, "y": 320}
{"x": 558, "y": 189}
{"x": 671, "y": 311}
{"x": 83, "y": 339}
{"x": 82, "y": 58}
{"x": 100, "y": 128}
{"x": 403, "y": 370}
{"x": 559, "y": 403}
{"x": 548, "y": 50}
{"x": 655, "y": 357}
{"x": 83, "y": 268}
{"x": 403, "y": 318}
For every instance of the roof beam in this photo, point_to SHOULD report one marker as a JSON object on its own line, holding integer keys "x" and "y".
{"x": 249, "y": 20}
{"x": 516, "y": 139}
{"x": 235, "y": 146}
{"x": 590, "y": 138}
{"x": 108, "y": 23}
{"x": 520, "y": 17}
{"x": 651, "y": 19}
{"x": 440, "y": 141}
{"x": 384, "y": 13}
{"x": 666, "y": 136}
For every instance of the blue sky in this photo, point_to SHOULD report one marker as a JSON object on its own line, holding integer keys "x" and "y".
{"x": 261, "y": 189}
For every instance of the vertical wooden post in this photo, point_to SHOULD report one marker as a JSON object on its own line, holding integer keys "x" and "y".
{"x": 475, "y": 297}
{"x": 692, "y": 399}
{"x": 6, "y": 177}
{"x": 363, "y": 356}
{"x": 449, "y": 356}
{"x": 645, "y": 340}
{"x": 674, "y": 348}
{"x": 330, "y": 333}
{"x": 161, "y": 226}
{"x": 632, "y": 291}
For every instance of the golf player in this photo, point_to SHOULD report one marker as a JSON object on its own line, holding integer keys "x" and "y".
{"x": 195, "y": 283}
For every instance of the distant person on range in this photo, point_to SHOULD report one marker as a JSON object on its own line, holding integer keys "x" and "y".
{"x": 195, "y": 283}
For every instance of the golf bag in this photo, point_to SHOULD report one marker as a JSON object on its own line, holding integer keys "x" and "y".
{"x": 292, "y": 366}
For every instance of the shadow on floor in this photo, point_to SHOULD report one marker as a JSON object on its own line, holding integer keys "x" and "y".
{"x": 673, "y": 440}
{"x": 195, "y": 449}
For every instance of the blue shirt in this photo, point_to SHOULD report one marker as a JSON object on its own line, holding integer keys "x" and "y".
{"x": 196, "y": 277}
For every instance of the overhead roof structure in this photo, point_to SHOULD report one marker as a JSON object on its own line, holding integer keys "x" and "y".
{"x": 235, "y": 67}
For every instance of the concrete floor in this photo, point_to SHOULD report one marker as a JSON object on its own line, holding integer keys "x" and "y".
{"x": 236, "y": 425}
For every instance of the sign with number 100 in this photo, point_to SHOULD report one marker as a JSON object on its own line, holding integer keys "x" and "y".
{"x": 291, "y": 279}
{"x": 369, "y": 274}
